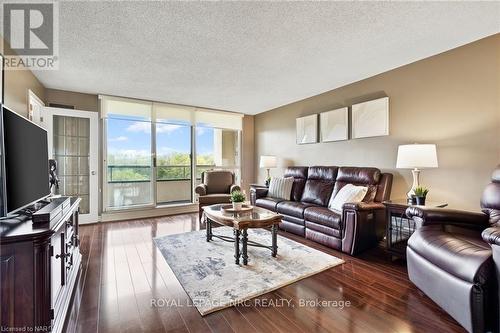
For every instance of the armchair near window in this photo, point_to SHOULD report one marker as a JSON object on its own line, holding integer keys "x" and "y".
{"x": 215, "y": 188}
{"x": 452, "y": 264}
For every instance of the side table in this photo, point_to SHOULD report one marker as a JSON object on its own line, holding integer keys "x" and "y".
{"x": 399, "y": 226}
{"x": 253, "y": 189}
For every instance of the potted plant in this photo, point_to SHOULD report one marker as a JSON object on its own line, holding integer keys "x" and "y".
{"x": 237, "y": 198}
{"x": 420, "y": 194}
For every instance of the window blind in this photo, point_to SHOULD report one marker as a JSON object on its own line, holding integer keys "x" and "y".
{"x": 117, "y": 107}
{"x": 218, "y": 119}
{"x": 173, "y": 113}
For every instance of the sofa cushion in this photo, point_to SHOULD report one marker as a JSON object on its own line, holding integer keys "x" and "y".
{"x": 299, "y": 175}
{"x": 348, "y": 193}
{"x": 323, "y": 216}
{"x": 464, "y": 255}
{"x": 211, "y": 199}
{"x": 268, "y": 203}
{"x": 281, "y": 187}
{"x": 319, "y": 185}
{"x": 293, "y": 208}
{"x": 368, "y": 177}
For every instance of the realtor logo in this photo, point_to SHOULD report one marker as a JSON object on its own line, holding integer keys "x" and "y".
{"x": 30, "y": 33}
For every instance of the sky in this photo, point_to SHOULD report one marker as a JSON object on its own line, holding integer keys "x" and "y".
{"x": 132, "y": 136}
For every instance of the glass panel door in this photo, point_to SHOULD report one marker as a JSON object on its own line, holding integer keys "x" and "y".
{"x": 173, "y": 163}
{"x": 129, "y": 164}
{"x": 71, "y": 138}
{"x": 73, "y": 142}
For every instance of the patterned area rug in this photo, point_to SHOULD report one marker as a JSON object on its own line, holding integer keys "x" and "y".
{"x": 208, "y": 274}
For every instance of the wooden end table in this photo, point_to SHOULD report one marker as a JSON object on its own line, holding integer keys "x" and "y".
{"x": 399, "y": 226}
{"x": 241, "y": 222}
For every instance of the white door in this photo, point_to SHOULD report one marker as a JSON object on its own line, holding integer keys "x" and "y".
{"x": 73, "y": 143}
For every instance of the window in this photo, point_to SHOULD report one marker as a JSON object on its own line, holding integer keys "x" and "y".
{"x": 149, "y": 147}
{"x": 217, "y": 149}
{"x": 128, "y": 149}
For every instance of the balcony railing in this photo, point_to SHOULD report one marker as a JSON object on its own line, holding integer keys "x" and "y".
{"x": 142, "y": 173}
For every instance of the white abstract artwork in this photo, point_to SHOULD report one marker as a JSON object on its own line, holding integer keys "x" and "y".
{"x": 307, "y": 129}
{"x": 370, "y": 118}
{"x": 334, "y": 125}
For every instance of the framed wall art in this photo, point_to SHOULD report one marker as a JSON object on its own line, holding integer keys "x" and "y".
{"x": 334, "y": 125}
{"x": 370, "y": 118}
{"x": 307, "y": 129}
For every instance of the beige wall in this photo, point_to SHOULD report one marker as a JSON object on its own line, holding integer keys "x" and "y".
{"x": 17, "y": 83}
{"x": 81, "y": 101}
{"x": 451, "y": 99}
{"x": 247, "y": 154}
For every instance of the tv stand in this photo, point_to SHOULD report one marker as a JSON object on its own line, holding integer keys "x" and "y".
{"x": 40, "y": 265}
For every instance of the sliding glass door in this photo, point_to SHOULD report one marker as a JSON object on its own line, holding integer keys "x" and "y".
{"x": 129, "y": 167}
{"x": 173, "y": 164}
{"x": 149, "y": 149}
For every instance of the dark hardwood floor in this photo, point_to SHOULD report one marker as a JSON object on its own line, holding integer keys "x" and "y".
{"x": 123, "y": 271}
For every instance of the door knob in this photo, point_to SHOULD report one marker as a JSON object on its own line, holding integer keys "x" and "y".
{"x": 92, "y": 173}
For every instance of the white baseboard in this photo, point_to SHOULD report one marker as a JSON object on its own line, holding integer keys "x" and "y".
{"x": 150, "y": 212}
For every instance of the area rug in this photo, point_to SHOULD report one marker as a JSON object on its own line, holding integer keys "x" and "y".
{"x": 208, "y": 274}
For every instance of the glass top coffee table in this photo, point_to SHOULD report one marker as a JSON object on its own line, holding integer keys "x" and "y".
{"x": 241, "y": 222}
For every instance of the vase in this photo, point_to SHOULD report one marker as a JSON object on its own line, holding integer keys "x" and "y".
{"x": 237, "y": 205}
{"x": 420, "y": 201}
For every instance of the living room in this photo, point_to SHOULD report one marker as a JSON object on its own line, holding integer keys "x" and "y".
{"x": 250, "y": 166}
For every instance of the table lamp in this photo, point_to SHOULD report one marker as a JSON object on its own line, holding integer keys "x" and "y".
{"x": 416, "y": 156}
{"x": 268, "y": 162}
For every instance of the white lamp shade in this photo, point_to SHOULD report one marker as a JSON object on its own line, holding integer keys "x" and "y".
{"x": 417, "y": 156}
{"x": 267, "y": 161}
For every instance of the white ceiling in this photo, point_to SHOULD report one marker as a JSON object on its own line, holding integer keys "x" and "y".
{"x": 251, "y": 56}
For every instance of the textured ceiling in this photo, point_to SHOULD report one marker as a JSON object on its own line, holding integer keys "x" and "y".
{"x": 251, "y": 56}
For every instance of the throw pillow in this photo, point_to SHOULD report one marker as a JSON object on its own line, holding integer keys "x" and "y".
{"x": 348, "y": 193}
{"x": 280, "y": 188}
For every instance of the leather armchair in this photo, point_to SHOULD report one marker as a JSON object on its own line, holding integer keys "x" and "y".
{"x": 424, "y": 216}
{"x": 454, "y": 264}
{"x": 215, "y": 188}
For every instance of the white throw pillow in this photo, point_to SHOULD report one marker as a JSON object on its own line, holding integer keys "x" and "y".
{"x": 348, "y": 193}
{"x": 280, "y": 188}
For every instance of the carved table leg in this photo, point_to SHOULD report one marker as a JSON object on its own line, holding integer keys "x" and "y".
{"x": 237, "y": 246}
{"x": 274, "y": 232}
{"x": 244, "y": 246}
{"x": 209, "y": 229}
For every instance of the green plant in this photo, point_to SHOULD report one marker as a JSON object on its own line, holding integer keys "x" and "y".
{"x": 237, "y": 196}
{"x": 421, "y": 192}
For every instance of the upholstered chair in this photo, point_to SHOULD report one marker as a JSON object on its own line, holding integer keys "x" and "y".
{"x": 453, "y": 264}
{"x": 215, "y": 188}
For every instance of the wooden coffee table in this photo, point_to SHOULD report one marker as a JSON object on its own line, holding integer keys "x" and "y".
{"x": 241, "y": 222}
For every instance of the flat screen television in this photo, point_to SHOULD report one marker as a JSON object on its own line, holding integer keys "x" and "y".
{"x": 25, "y": 162}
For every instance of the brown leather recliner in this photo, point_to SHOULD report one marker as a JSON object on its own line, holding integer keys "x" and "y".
{"x": 358, "y": 227}
{"x": 451, "y": 263}
{"x": 215, "y": 188}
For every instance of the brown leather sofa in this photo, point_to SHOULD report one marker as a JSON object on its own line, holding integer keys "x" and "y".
{"x": 215, "y": 188}
{"x": 452, "y": 263}
{"x": 359, "y": 227}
